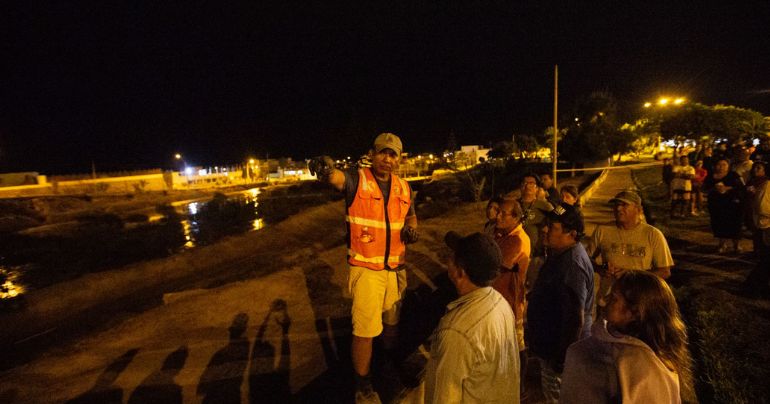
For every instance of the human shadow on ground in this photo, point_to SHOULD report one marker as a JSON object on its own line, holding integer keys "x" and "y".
{"x": 268, "y": 382}
{"x": 422, "y": 308}
{"x": 159, "y": 387}
{"x": 221, "y": 381}
{"x": 335, "y": 384}
{"x": 103, "y": 391}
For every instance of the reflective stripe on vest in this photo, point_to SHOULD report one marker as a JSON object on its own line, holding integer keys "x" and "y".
{"x": 367, "y": 225}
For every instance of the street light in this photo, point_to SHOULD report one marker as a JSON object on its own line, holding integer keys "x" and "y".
{"x": 178, "y": 156}
{"x": 664, "y": 102}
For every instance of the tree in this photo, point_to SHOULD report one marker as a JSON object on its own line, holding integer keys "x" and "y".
{"x": 451, "y": 142}
{"x": 737, "y": 124}
{"x": 591, "y": 134}
{"x": 700, "y": 122}
{"x": 503, "y": 149}
{"x": 629, "y": 139}
{"x": 525, "y": 144}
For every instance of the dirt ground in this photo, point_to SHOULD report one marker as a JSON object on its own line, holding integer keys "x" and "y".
{"x": 186, "y": 322}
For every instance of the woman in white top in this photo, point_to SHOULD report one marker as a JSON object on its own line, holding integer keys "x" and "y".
{"x": 638, "y": 354}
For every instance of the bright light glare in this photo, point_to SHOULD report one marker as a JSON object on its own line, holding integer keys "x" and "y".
{"x": 251, "y": 161}
{"x": 193, "y": 208}
{"x": 678, "y": 101}
{"x": 202, "y": 172}
{"x": 177, "y": 156}
{"x": 188, "y": 234}
{"x": 188, "y": 171}
{"x": 646, "y": 105}
{"x": 663, "y": 101}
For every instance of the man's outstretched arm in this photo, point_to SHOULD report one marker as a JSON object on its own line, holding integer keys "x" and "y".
{"x": 323, "y": 168}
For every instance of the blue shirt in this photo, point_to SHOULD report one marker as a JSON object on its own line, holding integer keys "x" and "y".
{"x": 570, "y": 269}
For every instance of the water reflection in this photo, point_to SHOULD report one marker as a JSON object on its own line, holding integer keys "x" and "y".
{"x": 251, "y": 196}
{"x": 187, "y": 228}
{"x": 192, "y": 208}
{"x": 98, "y": 242}
{"x": 10, "y": 286}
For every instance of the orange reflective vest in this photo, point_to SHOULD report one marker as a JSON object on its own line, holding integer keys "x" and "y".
{"x": 373, "y": 237}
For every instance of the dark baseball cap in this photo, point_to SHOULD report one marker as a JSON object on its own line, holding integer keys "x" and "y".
{"x": 477, "y": 254}
{"x": 569, "y": 217}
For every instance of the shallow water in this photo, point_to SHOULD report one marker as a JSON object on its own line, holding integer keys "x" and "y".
{"x": 102, "y": 242}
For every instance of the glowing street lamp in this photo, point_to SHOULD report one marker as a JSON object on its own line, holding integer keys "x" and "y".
{"x": 178, "y": 156}
{"x": 666, "y": 101}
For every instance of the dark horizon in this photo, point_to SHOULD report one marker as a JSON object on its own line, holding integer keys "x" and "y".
{"x": 127, "y": 87}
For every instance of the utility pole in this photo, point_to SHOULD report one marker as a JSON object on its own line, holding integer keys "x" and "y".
{"x": 554, "y": 155}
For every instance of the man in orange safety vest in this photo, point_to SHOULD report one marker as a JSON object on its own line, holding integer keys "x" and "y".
{"x": 380, "y": 221}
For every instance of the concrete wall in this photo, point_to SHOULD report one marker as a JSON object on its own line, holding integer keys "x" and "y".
{"x": 144, "y": 183}
{"x": 19, "y": 179}
{"x": 115, "y": 185}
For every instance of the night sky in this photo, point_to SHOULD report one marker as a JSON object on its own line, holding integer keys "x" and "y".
{"x": 128, "y": 84}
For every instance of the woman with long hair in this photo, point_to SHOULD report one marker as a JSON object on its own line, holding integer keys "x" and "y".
{"x": 638, "y": 354}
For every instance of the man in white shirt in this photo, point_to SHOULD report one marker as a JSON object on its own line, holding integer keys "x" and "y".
{"x": 474, "y": 356}
{"x": 681, "y": 187}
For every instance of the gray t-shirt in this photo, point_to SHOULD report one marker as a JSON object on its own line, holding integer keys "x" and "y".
{"x": 533, "y": 221}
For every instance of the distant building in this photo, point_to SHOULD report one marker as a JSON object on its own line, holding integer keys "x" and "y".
{"x": 468, "y": 156}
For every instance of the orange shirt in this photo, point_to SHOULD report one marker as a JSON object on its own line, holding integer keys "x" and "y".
{"x": 515, "y": 247}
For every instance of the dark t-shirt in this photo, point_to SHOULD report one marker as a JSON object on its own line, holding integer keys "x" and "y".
{"x": 571, "y": 269}
{"x": 552, "y": 196}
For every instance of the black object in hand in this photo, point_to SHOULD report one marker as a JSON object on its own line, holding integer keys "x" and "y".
{"x": 409, "y": 235}
{"x": 321, "y": 167}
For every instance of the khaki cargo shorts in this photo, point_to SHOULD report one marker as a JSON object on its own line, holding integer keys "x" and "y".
{"x": 376, "y": 299}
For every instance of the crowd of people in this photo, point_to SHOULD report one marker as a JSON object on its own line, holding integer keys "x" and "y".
{"x": 526, "y": 284}
{"x": 732, "y": 181}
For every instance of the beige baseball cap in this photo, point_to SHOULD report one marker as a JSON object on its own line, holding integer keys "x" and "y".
{"x": 629, "y": 197}
{"x": 388, "y": 141}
